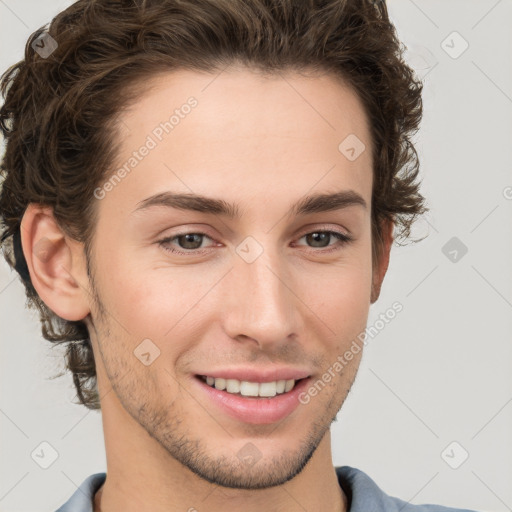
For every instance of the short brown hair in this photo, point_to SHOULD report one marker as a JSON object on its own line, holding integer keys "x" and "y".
{"x": 59, "y": 111}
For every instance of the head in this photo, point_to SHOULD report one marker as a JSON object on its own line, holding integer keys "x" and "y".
{"x": 279, "y": 101}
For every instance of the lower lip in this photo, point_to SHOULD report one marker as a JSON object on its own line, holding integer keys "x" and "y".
{"x": 258, "y": 410}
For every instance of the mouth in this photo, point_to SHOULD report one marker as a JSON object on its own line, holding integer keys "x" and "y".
{"x": 248, "y": 389}
{"x": 253, "y": 402}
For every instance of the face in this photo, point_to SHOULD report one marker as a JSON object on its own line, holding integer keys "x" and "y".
{"x": 188, "y": 293}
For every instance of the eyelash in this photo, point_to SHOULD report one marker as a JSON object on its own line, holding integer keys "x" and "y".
{"x": 343, "y": 239}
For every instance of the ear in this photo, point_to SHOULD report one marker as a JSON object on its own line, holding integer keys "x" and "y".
{"x": 380, "y": 266}
{"x": 56, "y": 264}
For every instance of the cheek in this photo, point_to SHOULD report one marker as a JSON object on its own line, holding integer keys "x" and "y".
{"x": 135, "y": 296}
{"x": 154, "y": 301}
{"x": 345, "y": 282}
{"x": 340, "y": 297}
{"x": 346, "y": 302}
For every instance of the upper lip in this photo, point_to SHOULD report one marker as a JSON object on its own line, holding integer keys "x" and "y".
{"x": 258, "y": 375}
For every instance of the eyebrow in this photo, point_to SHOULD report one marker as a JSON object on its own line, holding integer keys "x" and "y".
{"x": 307, "y": 205}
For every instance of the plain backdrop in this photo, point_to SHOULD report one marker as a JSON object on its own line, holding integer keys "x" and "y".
{"x": 430, "y": 415}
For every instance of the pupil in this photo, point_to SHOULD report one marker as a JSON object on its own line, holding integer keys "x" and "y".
{"x": 319, "y": 236}
{"x": 188, "y": 239}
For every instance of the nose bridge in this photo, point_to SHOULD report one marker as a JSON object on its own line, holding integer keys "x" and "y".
{"x": 263, "y": 305}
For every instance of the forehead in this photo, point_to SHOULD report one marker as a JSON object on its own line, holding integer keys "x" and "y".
{"x": 247, "y": 134}
{"x": 240, "y": 100}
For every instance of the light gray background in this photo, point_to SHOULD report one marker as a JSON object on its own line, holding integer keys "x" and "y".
{"x": 438, "y": 373}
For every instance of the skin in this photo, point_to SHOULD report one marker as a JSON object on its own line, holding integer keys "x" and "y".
{"x": 254, "y": 141}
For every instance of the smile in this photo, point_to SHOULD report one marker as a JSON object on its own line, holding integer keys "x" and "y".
{"x": 247, "y": 388}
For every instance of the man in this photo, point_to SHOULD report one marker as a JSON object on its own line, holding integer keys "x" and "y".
{"x": 201, "y": 197}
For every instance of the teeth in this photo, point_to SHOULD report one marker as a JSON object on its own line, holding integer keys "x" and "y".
{"x": 289, "y": 384}
{"x": 220, "y": 383}
{"x": 232, "y": 386}
{"x": 249, "y": 388}
{"x": 246, "y": 388}
{"x": 267, "y": 389}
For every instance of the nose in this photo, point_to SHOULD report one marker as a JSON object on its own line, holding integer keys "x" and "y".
{"x": 263, "y": 302}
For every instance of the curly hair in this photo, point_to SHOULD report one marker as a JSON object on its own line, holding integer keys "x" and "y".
{"x": 59, "y": 110}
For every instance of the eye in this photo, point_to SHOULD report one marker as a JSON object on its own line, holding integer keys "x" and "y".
{"x": 191, "y": 242}
{"x": 321, "y": 239}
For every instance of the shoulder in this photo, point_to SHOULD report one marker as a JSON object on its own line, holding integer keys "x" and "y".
{"x": 365, "y": 495}
{"x": 82, "y": 498}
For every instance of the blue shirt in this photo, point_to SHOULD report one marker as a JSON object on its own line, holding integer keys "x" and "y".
{"x": 362, "y": 493}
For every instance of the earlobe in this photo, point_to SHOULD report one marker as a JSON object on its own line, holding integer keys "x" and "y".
{"x": 55, "y": 264}
{"x": 381, "y": 266}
